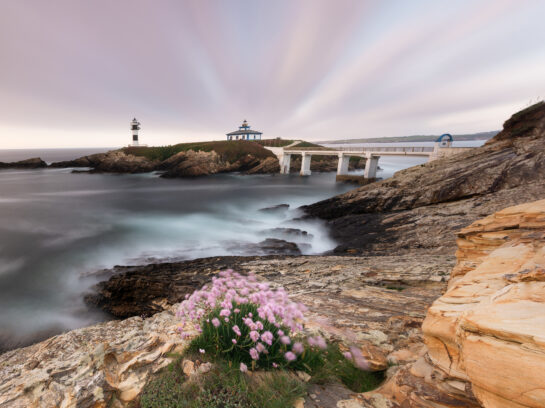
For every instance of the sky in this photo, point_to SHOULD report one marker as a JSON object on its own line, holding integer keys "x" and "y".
{"x": 73, "y": 73}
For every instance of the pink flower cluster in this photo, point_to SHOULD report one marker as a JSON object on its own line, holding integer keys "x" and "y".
{"x": 228, "y": 292}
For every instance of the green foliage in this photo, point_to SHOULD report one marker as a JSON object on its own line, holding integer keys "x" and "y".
{"x": 230, "y": 151}
{"x": 306, "y": 144}
{"x": 217, "y": 342}
{"x": 337, "y": 368}
{"x": 223, "y": 387}
{"x": 274, "y": 142}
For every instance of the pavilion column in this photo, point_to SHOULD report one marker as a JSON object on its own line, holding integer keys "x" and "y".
{"x": 305, "y": 164}
{"x": 285, "y": 161}
{"x": 371, "y": 166}
{"x": 342, "y": 167}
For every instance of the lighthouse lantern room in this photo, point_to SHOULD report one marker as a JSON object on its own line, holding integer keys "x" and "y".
{"x": 135, "y": 127}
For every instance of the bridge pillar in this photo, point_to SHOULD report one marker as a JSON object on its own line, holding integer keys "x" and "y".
{"x": 305, "y": 164}
{"x": 371, "y": 166}
{"x": 342, "y": 167}
{"x": 285, "y": 164}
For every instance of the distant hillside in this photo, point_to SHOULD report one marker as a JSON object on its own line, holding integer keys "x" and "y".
{"x": 417, "y": 138}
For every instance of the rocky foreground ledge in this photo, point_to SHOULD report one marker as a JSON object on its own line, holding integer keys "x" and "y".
{"x": 483, "y": 337}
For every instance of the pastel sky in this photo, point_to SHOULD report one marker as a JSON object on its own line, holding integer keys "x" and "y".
{"x": 73, "y": 73}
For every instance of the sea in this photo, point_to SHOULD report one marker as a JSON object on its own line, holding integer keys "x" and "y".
{"x": 58, "y": 227}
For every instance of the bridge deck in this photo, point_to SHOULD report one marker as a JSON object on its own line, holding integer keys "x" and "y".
{"x": 375, "y": 151}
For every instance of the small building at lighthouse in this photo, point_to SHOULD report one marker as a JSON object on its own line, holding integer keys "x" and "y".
{"x": 135, "y": 127}
{"x": 244, "y": 133}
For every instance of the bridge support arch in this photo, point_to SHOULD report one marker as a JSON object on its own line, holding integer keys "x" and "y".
{"x": 305, "y": 164}
{"x": 285, "y": 163}
{"x": 371, "y": 166}
{"x": 342, "y": 167}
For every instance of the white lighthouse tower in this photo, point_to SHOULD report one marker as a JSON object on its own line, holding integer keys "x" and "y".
{"x": 135, "y": 127}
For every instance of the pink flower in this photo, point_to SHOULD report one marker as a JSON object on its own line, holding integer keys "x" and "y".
{"x": 347, "y": 355}
{"x": 254, "y": 336}
{"x": 225, "y": 312}
{"x": 236, "y": 330}
{"x": 236, "y": 310}
{"x": 298, "y": 348}
{"x": 202, "y": 351}
{"x": 267, "y": 337}
{"x": 215, "y": 322}
{"x": 359, "y": 360}
{"x": 259, "y": 325}
{"x": 254, "y": 354}
{"x": 243, "y": 367}
{"x": 290, "y": 356}
{"x": 280, "y": 332}
{"x": 285, "y": 340}
{"x": 275, "y": 365}
{"x": 226, "y": 319}
{"x": 317, "y": 341}
{"x": 234, "y": 341}
{"x": 260, "y": 347}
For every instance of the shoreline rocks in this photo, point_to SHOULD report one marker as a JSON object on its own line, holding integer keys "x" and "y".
{"x": 34, "y": 163}
{"x": 424, "y": 206}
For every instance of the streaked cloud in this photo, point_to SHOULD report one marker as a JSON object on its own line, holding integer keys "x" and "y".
{"x": 74, "y": 73}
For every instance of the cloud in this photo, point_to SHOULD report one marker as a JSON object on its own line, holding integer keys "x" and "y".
{"x": 74, "y": 73}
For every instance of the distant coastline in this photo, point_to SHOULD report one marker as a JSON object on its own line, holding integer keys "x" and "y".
{"x": 415, "y": 138}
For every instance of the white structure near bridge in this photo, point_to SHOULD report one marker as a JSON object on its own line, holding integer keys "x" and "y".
{"x": 442, "y": 148}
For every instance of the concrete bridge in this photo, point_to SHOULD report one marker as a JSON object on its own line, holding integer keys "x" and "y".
{"x": 441, "y": 148}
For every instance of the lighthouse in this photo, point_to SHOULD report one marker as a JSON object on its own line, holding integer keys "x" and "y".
{"x": 135, "y": 127}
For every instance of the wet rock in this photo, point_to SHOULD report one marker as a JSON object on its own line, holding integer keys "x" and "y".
{"x": 276, "y": 208}
{"x": 35, "y": 163}
{"x": 290, "y": 232}
{"x": 268, "y": 166}
{"x": 273, "y": 246}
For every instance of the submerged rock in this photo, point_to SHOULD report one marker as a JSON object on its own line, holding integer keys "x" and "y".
{"x": 276, "y": 208}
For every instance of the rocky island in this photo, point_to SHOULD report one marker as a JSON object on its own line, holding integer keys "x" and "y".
{"x": 438, "y": 280}
{"x": 196, "y": 159}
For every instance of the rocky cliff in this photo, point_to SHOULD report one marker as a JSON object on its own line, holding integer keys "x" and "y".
{"x": 485, "y": 335}
{"x": 423, "y": 206}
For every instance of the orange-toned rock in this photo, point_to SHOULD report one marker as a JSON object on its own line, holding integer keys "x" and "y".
{"x": 485, "y": 336}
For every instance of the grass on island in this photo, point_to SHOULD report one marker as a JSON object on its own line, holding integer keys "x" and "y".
{"x": 226, "y": 387}
{"x": 230, "y": 151}
{"x": 274, "y": 142}
{"x": 309, "y": 145}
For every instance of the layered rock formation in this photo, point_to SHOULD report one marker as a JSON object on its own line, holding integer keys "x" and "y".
{"x": 485, "y": 335}
{"x": 105, "y": 365}
{"x": 422, "y": 207}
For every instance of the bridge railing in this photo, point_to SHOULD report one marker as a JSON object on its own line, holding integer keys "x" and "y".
{"x": 403, "y": 149}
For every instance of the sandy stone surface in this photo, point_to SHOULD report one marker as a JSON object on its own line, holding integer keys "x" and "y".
{"x": 485, "y": 336}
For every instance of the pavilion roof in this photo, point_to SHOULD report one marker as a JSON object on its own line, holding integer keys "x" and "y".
{"x": 244, "y": 132}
